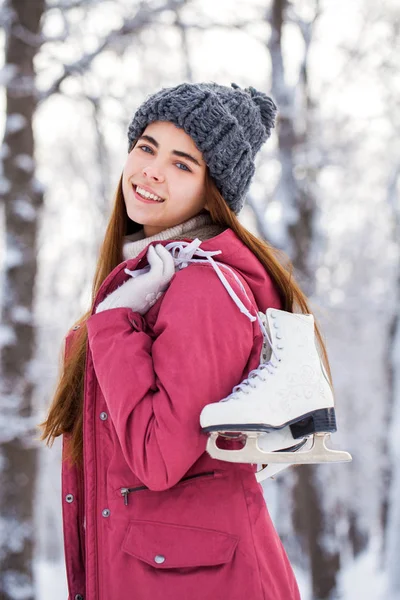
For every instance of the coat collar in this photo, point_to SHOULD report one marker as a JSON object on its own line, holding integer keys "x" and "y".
{"x": 234, "y": 253}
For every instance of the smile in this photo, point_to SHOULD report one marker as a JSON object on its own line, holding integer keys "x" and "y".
{"x": 146, "y": 196}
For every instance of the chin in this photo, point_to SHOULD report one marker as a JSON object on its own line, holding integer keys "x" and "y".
{"x": 139, "y": 216}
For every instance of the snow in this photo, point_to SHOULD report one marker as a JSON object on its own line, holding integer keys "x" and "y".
{"x": 365, "y": 578}
{"x": 15, "y": 122}
{"x": 362, "y": 578}
{"x": 14, "y": 257}
{"x": 21, "y": 314}
{"x": 37, "y": 186}
{"x": 23, "y": 207}
{"x": 13, "y": 427}
{"x": 17, "y": 585}
{"x": 393, "y": 535}
{"x": 7, "y": 73}
{"x": 25, "y": 162}
{"x": 51, "y": 580}
{"x": 7, "y": 335}
{"x": 5, "y": 185}
{"x": 4, "y": 151}
{"x": 15, "y": 533}
{"x": 353, "y": 153}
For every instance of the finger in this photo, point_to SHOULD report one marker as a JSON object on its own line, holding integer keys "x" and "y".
{"x": 155, "y": 262}
{"x": 168, "y": 262}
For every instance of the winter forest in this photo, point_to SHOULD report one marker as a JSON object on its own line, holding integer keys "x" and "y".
{"x": 326, "y": 193}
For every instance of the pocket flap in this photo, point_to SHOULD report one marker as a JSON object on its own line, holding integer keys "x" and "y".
{"x": 165, "y": 545}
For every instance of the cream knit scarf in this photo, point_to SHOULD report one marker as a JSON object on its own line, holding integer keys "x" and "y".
{"x": 200, "y": 226}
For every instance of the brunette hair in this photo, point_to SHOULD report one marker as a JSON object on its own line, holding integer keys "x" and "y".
{"x": 65, "y": 414}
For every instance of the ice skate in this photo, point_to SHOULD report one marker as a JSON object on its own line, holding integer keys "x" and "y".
{"x": 284, "y": 410}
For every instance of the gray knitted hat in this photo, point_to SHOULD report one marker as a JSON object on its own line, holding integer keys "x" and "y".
{"x": 227, "y": 124}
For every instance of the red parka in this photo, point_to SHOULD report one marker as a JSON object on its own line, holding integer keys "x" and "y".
{"x": 152, "y": 516}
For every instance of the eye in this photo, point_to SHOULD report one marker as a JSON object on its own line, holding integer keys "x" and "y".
{"x": 146, "y": 148}
{"x": 185, "y": 168}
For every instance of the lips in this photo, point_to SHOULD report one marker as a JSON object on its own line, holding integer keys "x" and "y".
{"x": 145, "y": 200}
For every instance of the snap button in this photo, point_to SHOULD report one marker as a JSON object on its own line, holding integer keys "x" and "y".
{"x": 106, "y": 512}
{"x": 159, "y": 558}
{"x": 273, "y": 315}
{"x": 69, "y": 498}
{"x": 78, "y": 597}
{"x": 103, "y": 416}
{"x": 76, "y": 327}
{"x": 276, "y": 325}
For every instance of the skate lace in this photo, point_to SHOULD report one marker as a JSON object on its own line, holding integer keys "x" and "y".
{"x": 183, "y": 253}
{"x": 251, "y": 382}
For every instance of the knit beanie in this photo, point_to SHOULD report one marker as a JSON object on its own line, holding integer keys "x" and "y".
{"x": 227, "y": 124}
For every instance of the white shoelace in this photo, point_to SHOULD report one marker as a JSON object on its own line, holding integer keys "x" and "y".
{"x": 260, "y": 372}
{"x": 182, "y": 253}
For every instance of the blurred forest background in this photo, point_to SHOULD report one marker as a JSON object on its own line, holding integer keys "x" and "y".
{"x": 326, "y": 192}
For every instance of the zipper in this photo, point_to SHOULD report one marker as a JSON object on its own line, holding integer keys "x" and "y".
{"x": 88, "y": 366}
{"x": 125, "y": 491}
{"x": 97, "y": 584}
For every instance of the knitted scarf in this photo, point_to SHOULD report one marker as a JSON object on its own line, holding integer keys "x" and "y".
{"x": 200, "y": 226}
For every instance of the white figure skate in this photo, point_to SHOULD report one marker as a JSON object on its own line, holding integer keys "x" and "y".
{"x": 284, "y": 410}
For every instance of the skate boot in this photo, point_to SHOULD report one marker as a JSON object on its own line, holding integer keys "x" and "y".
{"x": 284, "y": 410}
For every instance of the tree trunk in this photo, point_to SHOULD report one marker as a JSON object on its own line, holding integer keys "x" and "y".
{"x": 297, "y": 196}
{"x": 391, "y": 508}
{"x": 22, "y": 200}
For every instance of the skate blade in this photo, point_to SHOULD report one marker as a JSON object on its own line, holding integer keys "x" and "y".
{"x": 252, "y": 453}
{"x": 270, "y": 471}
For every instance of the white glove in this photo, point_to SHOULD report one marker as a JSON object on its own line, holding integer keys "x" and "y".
{"x": 144, "y": 289}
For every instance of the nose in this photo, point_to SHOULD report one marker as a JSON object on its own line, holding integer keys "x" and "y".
{"x": 153, "y": 172}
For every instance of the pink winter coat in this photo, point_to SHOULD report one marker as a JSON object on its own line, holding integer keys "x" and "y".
{"x": 154, "y": 517}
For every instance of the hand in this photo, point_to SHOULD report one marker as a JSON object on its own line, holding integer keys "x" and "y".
{"x": 142, "y": 291}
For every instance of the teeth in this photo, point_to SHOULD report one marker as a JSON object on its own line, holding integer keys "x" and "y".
{"x": 146, "y": 194}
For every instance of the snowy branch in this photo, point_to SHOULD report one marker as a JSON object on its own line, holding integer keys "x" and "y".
{"x": 133, "y": 26}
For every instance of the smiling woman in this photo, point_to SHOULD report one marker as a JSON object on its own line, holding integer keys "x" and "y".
{"x": 163, "y": 180}
{"x": 147, "y": 512}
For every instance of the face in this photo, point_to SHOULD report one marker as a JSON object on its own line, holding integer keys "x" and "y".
{"x": 166, "y": 164}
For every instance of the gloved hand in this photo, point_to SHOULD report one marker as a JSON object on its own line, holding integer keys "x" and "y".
{"x": 143, "y": 290}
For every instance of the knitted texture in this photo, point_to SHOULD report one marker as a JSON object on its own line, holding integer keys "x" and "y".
{"x": 227, "y": 124}
{"x": 200, "y": 226}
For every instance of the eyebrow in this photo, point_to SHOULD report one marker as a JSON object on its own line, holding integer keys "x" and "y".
{"x": 176, "y": 152}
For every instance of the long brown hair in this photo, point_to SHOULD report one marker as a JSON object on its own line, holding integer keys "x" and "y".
{"x": 66, "y": 411}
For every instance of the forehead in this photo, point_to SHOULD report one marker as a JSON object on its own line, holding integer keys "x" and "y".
{"x": 172, "y": 137}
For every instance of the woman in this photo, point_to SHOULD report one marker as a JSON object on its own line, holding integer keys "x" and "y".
{"x": 147, "y": 513}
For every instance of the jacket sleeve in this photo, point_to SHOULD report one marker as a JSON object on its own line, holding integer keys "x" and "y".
{"x": 155, "y": 390}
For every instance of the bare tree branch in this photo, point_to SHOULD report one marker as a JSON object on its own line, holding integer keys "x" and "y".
{"x": 183, "y": 31}
{"x": 133, "y": 26}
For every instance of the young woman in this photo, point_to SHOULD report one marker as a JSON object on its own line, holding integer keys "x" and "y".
{"x": 147, "y": 513}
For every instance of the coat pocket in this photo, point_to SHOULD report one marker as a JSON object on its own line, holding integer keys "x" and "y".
{"x": 169, "y": 546}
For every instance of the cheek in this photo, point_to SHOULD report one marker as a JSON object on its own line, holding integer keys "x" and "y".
{"x": 132, "y": 164}
{"x": 200, "y": 191}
